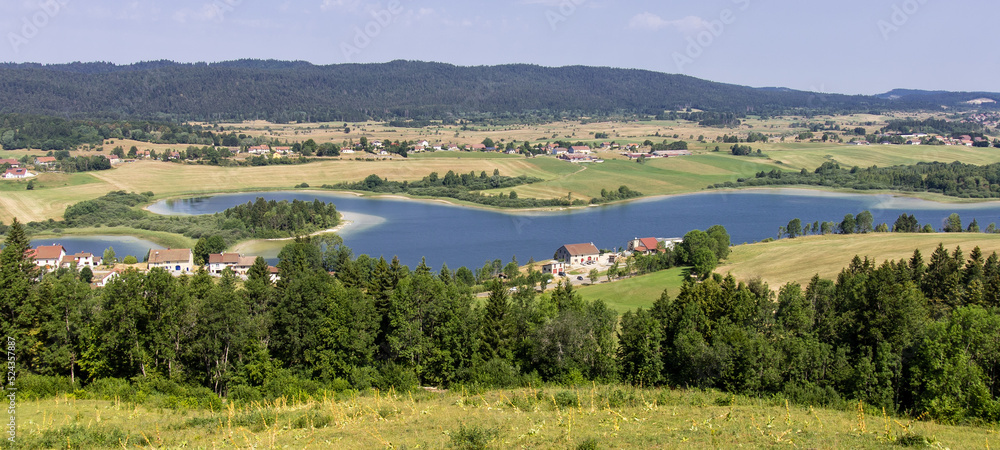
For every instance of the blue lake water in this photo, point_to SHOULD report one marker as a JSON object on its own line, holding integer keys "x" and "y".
{"x": 470, "y": 237}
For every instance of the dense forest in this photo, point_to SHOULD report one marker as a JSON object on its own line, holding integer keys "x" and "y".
{"x": 298, "y": 91}
{"x": 260, "y": 219}
{"x": 913, "y": 336}
{"x": 952, "y": 179}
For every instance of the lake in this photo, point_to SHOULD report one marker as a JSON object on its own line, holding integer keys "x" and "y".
{"x": 461, "y": 236}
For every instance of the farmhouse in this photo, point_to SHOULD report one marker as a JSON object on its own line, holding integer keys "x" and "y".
{"x": 559, "y": 151}
{"x": 580, "y": 150}
{"x": 16, "y": 174}
{"x": 45, "y": 160}
{"x": 48, "y": 256}
{"x": 13, "y": 163}
{"x": 81, "y": 260}
{"x": 177, "y": 261}
{"x": 217, "y": 262}
{"x": 575, "y": 254}
{"x": 102, "y": 279}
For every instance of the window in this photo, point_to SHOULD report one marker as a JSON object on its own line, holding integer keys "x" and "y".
{"x": 178, "y": 268}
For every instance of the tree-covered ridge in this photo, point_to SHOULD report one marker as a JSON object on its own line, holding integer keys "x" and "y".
{"x": 261, "y": 219}
{"x": 282, "y": 92}
{"x": 952, "y": 179}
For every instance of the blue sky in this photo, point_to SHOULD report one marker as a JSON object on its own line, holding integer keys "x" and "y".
{"x": 847, "y": 46}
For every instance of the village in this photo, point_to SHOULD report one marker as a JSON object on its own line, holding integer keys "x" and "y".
{"x": 177, "y": 262}
{"x": 567, "y": 260}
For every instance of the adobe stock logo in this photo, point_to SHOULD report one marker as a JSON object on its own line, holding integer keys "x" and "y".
{"x": 32, "y": 25}
{"x": 363, "y": 37}
{"x": 900, "y": 16}
{"x": 704, "y": 39}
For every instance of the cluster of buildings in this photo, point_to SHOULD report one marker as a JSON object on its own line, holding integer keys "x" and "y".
{"x": 176, "y": 262}
{"x": 577, "y": 256}
{"x": 924, "y": 138}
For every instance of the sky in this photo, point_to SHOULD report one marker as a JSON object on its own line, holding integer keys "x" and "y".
{"x": 845, "y": 46}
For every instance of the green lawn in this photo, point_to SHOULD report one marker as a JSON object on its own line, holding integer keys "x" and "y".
{"x": 638, "y": 292}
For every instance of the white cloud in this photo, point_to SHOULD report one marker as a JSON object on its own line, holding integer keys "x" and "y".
{"x": 651, "y": 22}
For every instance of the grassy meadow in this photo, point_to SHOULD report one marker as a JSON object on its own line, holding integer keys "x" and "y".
{"x": 638, "y": 292}
{"x": 798, "y": 260}
{"x": 582, "y": 417}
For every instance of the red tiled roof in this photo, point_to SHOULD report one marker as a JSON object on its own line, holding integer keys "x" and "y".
{"x": 649, "y": 243}
{"x": 12, "y": 162}
{"x": 17, "y": 172}
{"x": 581, "y": 249}
{"x": 49, "y": 252}
{"x": 45, "y": 159}
{"x": 224, "y": 258}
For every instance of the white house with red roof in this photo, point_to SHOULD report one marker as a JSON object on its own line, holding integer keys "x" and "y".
{"x": 48, "y": 256}
{"x": 45, "y": 160}
{"x": 16, "y": 174}
{"x": 13, "y": 163}
{"x": 217, "y": 262}
{"x": 82, "y": 259}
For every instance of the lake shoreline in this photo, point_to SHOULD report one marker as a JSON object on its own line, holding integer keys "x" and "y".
{"x": 791, "y": 190}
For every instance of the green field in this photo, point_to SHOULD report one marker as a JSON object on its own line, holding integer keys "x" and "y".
{"x": 799, "y": 259}
{"x": 639, "y": 292}
{"x": 168, "y": 240}
{"x": 581, "y": 417}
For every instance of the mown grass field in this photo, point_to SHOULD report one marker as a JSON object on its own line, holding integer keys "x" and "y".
{"x": 638, "y": 292}
{"x": 798, "y": 260}
{"x": 582, "y": 417}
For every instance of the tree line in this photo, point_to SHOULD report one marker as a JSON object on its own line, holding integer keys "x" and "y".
{"x": 952, "y": 179}
{"x": 913, "y": 336}
{"x": 260, "y": 219}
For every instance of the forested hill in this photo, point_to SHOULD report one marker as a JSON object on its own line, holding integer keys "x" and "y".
{"x": 299, "y": 91}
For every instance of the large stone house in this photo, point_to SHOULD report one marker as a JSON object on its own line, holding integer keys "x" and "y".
{"x": 577, "y": 254}
{"x": 176, "y": 261}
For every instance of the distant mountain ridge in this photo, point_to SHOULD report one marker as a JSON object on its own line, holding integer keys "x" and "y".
{"x": 298, "y": 90}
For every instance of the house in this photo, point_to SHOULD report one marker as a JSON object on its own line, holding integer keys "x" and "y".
{"x": 13, "y": 163}
{"x": 577, "y": 254}
{"x": 243, "y": 265}
{"x": 81, "y": 260}
{"x": 554, "y": 268}
{"x": 274, "y": 274}
{"x": 581, "y": 150}
{"x": 378, "y": 144}
{"x": 176, "y": 261}
{"x": 45, "y": 160}
{"x": 479, "y": 147}
{"x": 259, "y": 150}
{"x": 217, "y": 262}
{"x": 645, "y": 246}
{"x": 16, "y": 174}
{"x": 558, "y": 151}
{"x": 48, "y": 256}
{"x": 575, "y": 157}
{"x": 174, "y": 155}
{"x": 102, "y": 279}
{"x": 672, "y": 153}
{"x": 346, "y": 151}
{"x": 283, "y": 150}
